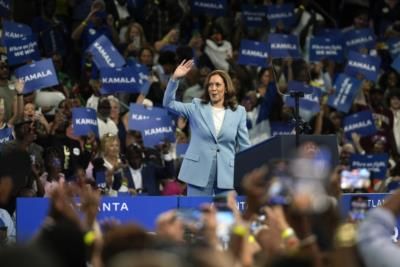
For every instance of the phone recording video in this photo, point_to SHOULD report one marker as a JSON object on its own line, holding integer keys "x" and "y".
{"x": 355, "y": 179}
{"x": 358, "y": 208}
{"x": 225, "y": 219}
{"x": 190, "y": 217}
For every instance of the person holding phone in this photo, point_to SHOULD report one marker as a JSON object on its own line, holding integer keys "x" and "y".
{"x": 218, "y": 130}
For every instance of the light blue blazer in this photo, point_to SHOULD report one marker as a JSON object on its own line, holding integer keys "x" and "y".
{"x": 205, "y": 144}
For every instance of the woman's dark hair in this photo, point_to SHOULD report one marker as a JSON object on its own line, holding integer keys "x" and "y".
{"x": 392, "y": 93}
{"x": 230, "y": 99}
{"x": 383, "y": 80}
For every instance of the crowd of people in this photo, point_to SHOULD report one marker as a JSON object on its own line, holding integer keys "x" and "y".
{"x": 192, "y": 61}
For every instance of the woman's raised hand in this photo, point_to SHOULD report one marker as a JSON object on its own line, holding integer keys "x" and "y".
{"x": 182, "y": 69}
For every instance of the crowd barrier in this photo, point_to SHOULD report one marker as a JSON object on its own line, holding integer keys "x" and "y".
{"x": 144, "y": 210}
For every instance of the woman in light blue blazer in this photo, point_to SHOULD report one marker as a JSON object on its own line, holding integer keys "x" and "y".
{"x": 218, "y": 131}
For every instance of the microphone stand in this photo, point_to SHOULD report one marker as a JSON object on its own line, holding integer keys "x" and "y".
{"x": 300, "y": 125}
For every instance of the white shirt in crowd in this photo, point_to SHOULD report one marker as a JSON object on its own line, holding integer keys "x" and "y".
{"x": 107, "y": 127}
{"x": 137, "y": 177}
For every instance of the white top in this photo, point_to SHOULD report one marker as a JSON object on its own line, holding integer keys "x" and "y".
{"x": 9, "y": 223}
{"x": 396, "y": 128}
{"x": 122, "y": 11}
{"x": 218, "y": 118}
{"x": 106, "y": 127}
{"x": 92, "y": 102}
{"x": 137, "y": 177}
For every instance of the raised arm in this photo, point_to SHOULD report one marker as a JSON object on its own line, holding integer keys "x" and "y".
{"x": 169, "y": 95}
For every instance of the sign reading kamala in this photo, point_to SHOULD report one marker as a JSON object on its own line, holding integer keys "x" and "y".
{"x": 123, "y": 79}
{"x": 394, "y": 46}
{"x": 281, "y": 128}
{"x": 361, "y": 123}
{"x": 254, "y": 15}
{"x": 22, "y": 49}
{"x": 6, "y": 135}
{"x": 376, "y": 164}
{"x": 253, "y": 53}
{"x": 105, "y": 55}
{"x": 37, "y": 75}
{"x": 157, "y": 131}
{"x": 5, "y": 8}
{"x": 346, "y": 88}
{"x": 363, "y": 64}
{"x": 84, "y": 121}
{"x": 209, "y": 7}
{"x": 326, "y": 48}
{"x": 356, "y": 39}
{"x": 14, "y": 30}
{"x": 281, "y": 13}
{"x": 139, "y": 115}
{"x": 283, "y": 46}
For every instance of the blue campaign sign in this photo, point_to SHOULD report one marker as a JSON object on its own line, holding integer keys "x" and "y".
{"x": 123, "y": 79}
{"x": 366, "y": 65}
{"x": 84, "y": 121}
{"x": 13, "y": 30}
{"x": 22, "y": 50}
{"x": 281, "y": 13}
{"x": 360, "y": 122}
{"x": 330, "y": 33}
{"x": 143, "y": 74}
{"x": 298, "y": 86}
{"x": 394, "y": 46}
{"x": 326, "y": 48}
{"x": 283, "y": 46}
{"x": 309, "y": 102}
{"x": 377, "y": 164}
{"x": 253, "y": 53}
{"x": 254, "y": 15}
{"x": 5, "y": 8}
{"x": 157, "y": 131}
{"x": 346, "y": 89}
{"x": 359, "y": 38}
{"x": 281, "y": 128}
{"x": 396, "y": 64}
{"x": 38, "y": 75}
{"x": 209, "y": 7}
{"x": 32, "y": 212}
{"x": 6, "y": 135}
{"x": 105, "y": 55}
{"x": 139, "y": 116}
